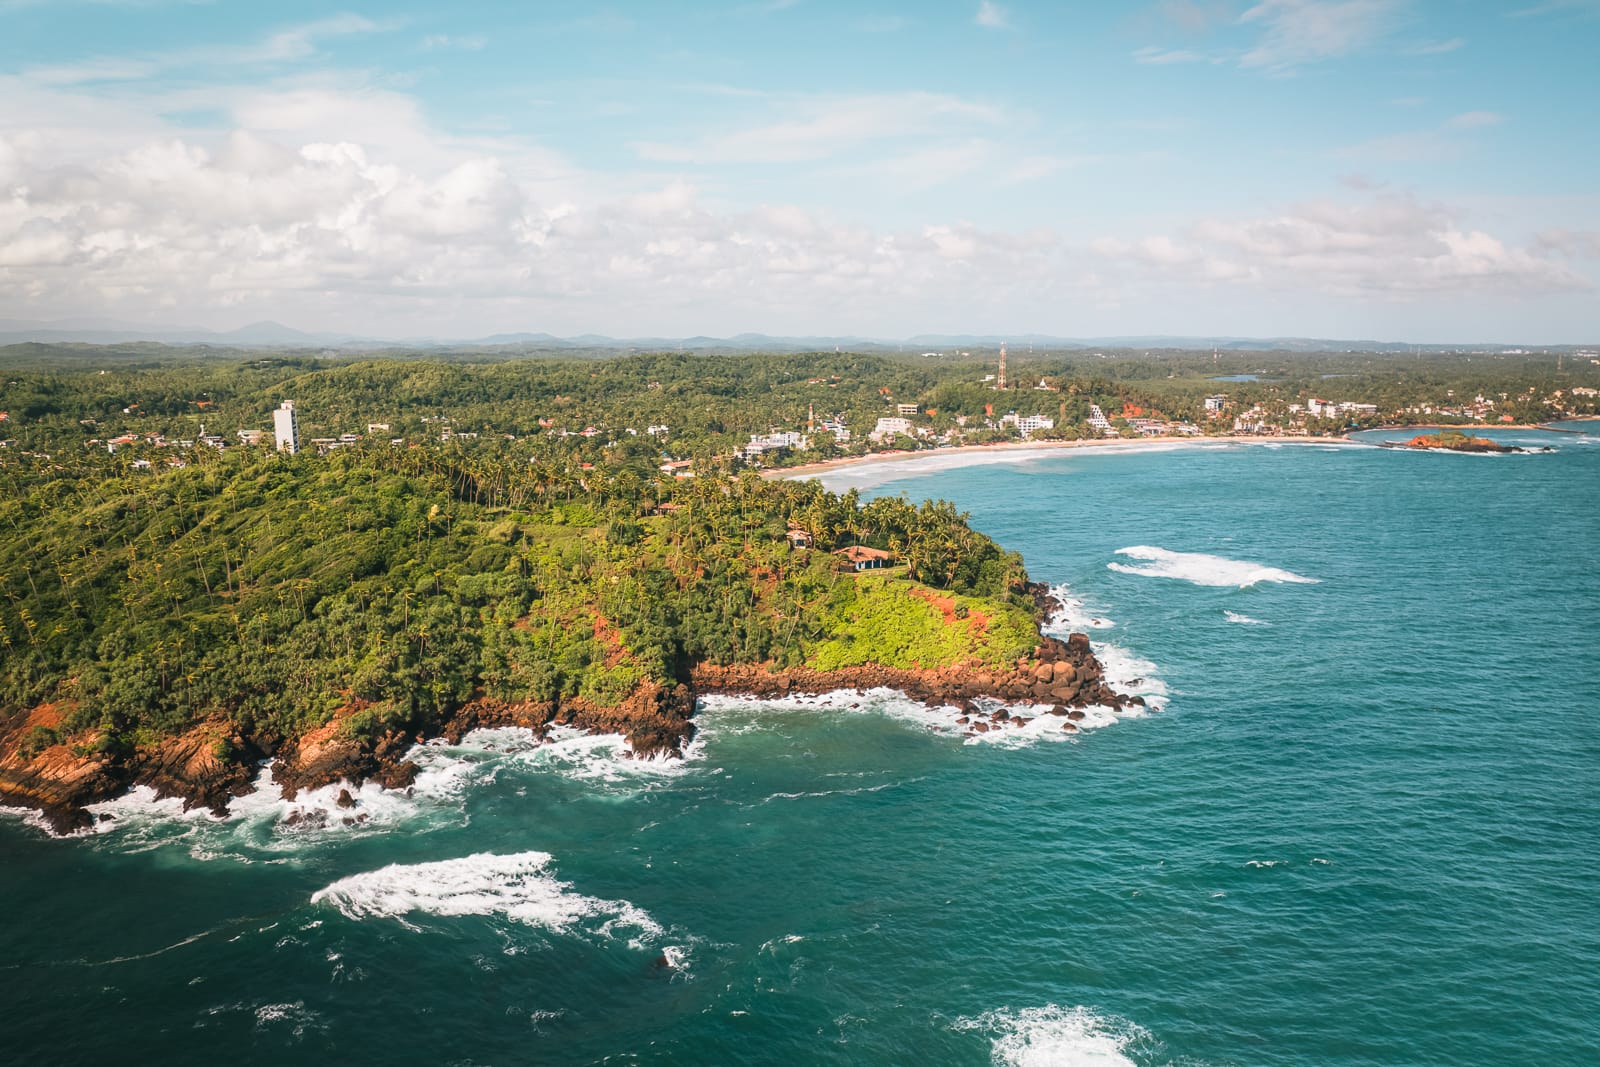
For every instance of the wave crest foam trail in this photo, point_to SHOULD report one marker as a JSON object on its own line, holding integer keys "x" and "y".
{"x": 1201, "y": 569}
{"x": 520, "y": 887}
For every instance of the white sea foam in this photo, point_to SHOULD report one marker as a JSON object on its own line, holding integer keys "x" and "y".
{"x": 28, "y": 816}
{"x": 603, "y": 759}
{"x": 1052, "y": 1036}
{"x": 1201, "y": 569}
{"x": 1244, "y": 620}
{"x": 1263, "y": 863}
{"x": 1125, "y": 672}
{"x": 1071, "y": 615}
{"x": 1030, "y": 723}
{"x": 857, "y": 791}
{"x": 519, "y": 887}
{"x": 263, "y": 821}
{"x": 295, "y": 1017}
{"x": 260, "y": 821}
{"x": 915, "y": 465}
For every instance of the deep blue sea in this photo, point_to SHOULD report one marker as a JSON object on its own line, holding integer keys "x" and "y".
{"x": 1364, "y": 827}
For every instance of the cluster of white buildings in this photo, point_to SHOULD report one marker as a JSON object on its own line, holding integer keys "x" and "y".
{"x": 1027, "y": 425}
{"x": 778, "y": 441}
{"x": 1328, "y": 409}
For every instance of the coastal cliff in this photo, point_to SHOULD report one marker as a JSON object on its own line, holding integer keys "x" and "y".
{"x": 211, "y": 764}
{"x": 174, "y": 630}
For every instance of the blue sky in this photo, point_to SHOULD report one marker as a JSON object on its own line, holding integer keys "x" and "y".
{"x": 1400, "y": 169}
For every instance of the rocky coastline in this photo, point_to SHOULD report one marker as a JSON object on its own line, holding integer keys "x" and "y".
{"x": 211, "y": 764}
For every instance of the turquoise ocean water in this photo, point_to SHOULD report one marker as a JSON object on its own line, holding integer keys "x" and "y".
{"x": 1364, "y": 829}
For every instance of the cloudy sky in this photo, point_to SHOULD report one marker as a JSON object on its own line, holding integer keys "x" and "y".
{"x": 1424, "y": 170}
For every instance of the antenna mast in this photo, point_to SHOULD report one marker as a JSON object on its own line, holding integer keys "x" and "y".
{"x": 1000, "y": 380}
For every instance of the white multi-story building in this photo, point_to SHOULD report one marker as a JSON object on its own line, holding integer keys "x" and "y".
{"x": 888, "y": 428}
{"x": 1214, "y": 404}
{"x": 774, "y": 442}
{"x": 1027, "y": 424}
{"x": 286, "y": 428}
{"x": 1098, "y": 420}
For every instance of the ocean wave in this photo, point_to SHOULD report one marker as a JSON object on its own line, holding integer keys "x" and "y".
{"x": 292, "y": 1018}
{"x": 857, "y": 791}
{"x": 599, "y": 759}
{"x": 1029, "y": 723}
{"x": 1132, "y": 675}
{"x": 1052, "y": 1035}
{"x": 1201, "y": 569}
{"x": 1125, "y": 672}
{"x": 27, "y": 816}
{"x": 519, "y": 887}
{"x": 1244, "y": 620}
{"x": 264, "y": 822}
{"x": 1071, "y": 615}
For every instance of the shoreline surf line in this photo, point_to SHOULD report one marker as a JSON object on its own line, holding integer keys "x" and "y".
{"x": 828, "y": 466}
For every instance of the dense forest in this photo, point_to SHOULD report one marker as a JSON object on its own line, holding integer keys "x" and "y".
{"x": 275, "y": 589}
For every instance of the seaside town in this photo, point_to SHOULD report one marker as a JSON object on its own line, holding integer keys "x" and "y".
{"x": 1035, "y": 409}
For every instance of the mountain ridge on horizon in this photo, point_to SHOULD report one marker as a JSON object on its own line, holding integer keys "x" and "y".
{"x": 267, "y": 333}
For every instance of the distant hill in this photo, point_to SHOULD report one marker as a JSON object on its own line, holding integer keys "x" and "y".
{"x": 273, "y": 334}
{"x": 111, "y": 331}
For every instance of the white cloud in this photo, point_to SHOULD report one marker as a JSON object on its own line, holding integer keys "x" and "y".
{"x": 290, "y": 43}
{"x": 1153, "y": 56}
{"x": 1411, "y": 146}
{"x": 1297, "y": 32}
{"x": 817, "y": 128}
{"x": 1436, "y": 48}
{"x": 992, "y": 16}
{"x": 331, "y": 204}
{"x": 1385, "y": 245}
{"x": 436, "y": 42}
{"x": 1447, "y": 142}
{"x": 1559, "y": 7}
{"x": 337, "y": 234}
{"x": 1574, "y": 244}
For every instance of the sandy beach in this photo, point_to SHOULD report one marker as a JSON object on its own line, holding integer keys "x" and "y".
{"x": 1018, "y": 451}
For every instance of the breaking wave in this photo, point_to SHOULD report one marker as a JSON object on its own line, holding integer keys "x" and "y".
{"x": 1028, "y": 724}
{"x": 264, "y": 823}
{"x": 1053, "y": 1036}
{"x": 1244, "y": 620}
{"x": 1125, "y": 672}
{"x": 1201, "y": 569}
{"x": 519, "y": 887}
